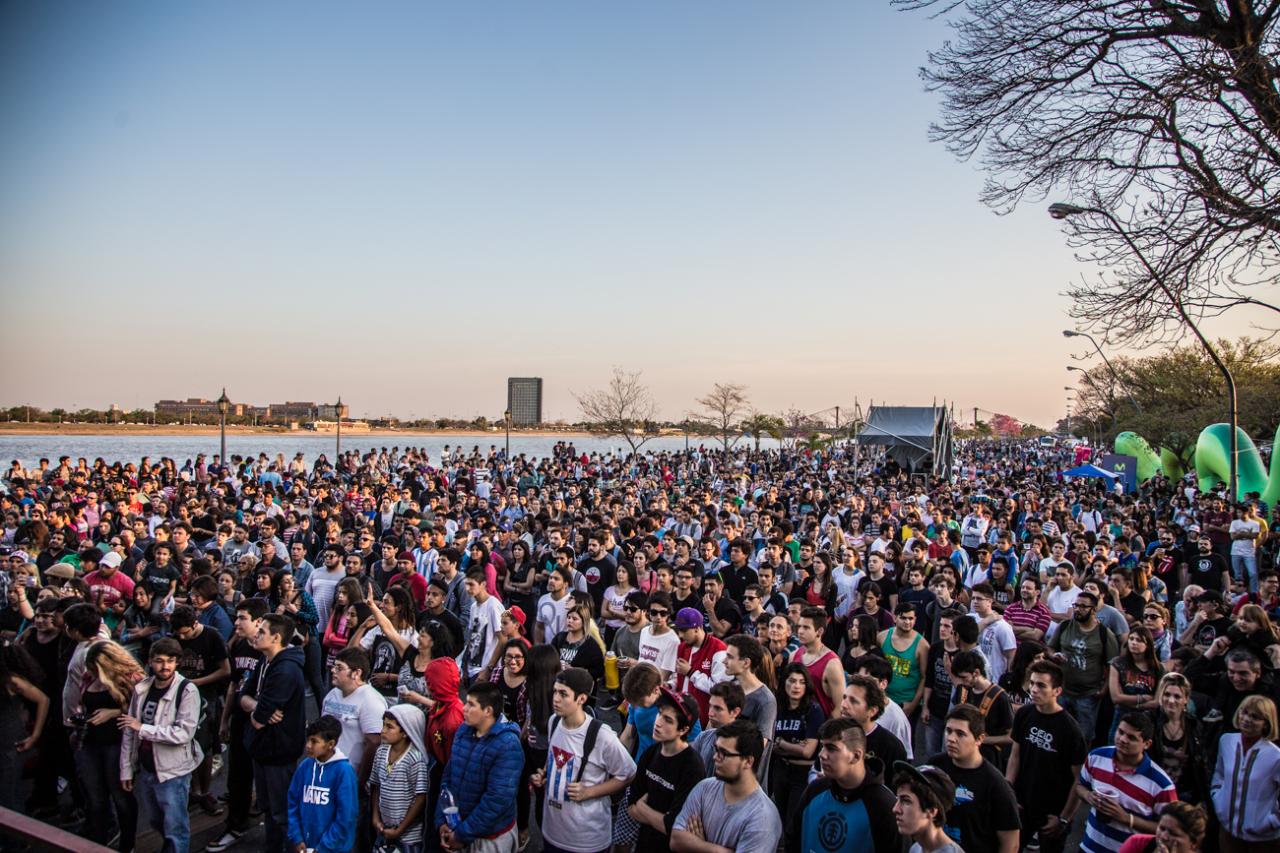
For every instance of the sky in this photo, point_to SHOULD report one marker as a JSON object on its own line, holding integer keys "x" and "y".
{"x": 404, "y": 203}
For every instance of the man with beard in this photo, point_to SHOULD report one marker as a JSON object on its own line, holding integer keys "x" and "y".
{"x": 730, "y": 811}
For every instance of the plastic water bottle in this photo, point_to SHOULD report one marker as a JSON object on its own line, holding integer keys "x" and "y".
{"x": 450, "y": 809}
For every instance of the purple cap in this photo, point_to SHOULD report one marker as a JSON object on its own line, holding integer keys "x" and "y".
{"x": 688, "y": 617}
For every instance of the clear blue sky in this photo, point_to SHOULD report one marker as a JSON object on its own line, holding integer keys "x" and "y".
{"x": 407, "y": 202}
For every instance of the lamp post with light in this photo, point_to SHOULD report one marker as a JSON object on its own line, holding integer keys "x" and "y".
{"x": 506, "y": 418}
{"x": 338, "y": 449}
{"x": 224, "y": 404}
{"x": 1068, "y": 333}
{"x": 1061, "y": 210}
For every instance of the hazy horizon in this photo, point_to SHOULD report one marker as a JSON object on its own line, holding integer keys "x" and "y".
{"x": 405, "y": 204}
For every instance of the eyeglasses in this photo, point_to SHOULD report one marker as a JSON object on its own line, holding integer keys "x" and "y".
{"x": 724, "y": 753}
{"x": 1150, "y": 615}
{"x": 659, "y": 614}
{"x": 630, "y": 608}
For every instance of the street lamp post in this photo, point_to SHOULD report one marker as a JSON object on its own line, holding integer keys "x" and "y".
{"x": 1062, "y": 211}
{"x": 1068, "y": 333}
{"x": 338, "y": 450}
{"x": 506, "y": 419}
{"x": 1094, "y": 386}
{"x": 223, "y": 405}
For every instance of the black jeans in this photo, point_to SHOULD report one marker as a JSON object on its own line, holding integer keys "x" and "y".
{"x": 534, "y": 759}
{"x": 272, "y": 782}
{"x": 312, "y": 655}
{"x": 239, "y": 777}
{"x": 98, "y": 766}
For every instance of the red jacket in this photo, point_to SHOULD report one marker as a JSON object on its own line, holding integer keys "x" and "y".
{"x": 701, "y": 662}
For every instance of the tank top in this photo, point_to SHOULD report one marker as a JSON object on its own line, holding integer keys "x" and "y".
{"x": 906, "y": 669}
{"x": 815, "y": 670}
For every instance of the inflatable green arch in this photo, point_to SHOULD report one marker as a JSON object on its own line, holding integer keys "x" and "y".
{"x": 1211, "y": 460}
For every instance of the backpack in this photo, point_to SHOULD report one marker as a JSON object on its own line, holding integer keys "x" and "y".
{"x": 588, "y": 745}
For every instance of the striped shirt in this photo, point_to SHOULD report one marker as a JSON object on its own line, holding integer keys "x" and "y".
{"x": 1139, "y": 792}
{"x": 1038, "y": 617}
{"x": 397, "y": 787}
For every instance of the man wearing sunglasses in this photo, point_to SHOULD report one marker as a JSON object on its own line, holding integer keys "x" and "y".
{"x": 658, "y": 641}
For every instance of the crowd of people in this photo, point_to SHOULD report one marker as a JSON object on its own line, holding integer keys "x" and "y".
{"x": 692, "y": 651}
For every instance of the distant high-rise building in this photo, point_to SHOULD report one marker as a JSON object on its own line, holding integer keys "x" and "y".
{"x": 524, "y": 400}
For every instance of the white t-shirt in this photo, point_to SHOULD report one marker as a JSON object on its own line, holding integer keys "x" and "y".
{"x": 1060, "y": 601}
{"x": 551, "y": 614}
{"x": 321, "y": 586}
{"x": 1244, "y": 547}
{"x": 659, "y": 649}
{"x": 486, "y": 621}
{"x": 997, "y": 638}
{"x": 584, "y": 826}
{"x": 615, "y": 599}
{"x": 360, "y": 715}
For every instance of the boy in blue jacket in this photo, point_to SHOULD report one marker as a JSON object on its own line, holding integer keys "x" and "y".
{"x": 481, "y": 776}
{"x": 324, "y": 799}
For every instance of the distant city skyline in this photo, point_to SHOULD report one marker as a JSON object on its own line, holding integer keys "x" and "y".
{"x": 406, "y": 204}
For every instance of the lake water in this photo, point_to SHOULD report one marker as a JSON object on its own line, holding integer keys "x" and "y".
{"x": 29, "y": 449}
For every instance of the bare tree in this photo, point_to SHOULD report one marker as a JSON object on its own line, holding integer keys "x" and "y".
{"x": 723, "y": 410}
{"x": 1164, "y": 113}
{"x": 624, "y": 408}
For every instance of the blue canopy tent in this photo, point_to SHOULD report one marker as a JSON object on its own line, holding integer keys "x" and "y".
{"x": 1091, "y": 471}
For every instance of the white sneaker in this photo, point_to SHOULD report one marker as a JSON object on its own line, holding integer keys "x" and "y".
{"x": 228, "y": 838}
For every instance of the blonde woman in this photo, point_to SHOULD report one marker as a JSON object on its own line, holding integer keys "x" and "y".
{"x": 1246, "y": 782}
{"x": 580, "y": 643}
{"x": 97, "y": 738}
{"x": 1178, "y": 743}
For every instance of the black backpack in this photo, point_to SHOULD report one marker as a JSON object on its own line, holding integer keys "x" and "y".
{"x": 593, "y": 731}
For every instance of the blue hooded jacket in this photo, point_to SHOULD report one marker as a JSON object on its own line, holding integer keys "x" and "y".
{"x": 324, "y": 804}
{"x": 483, "y": 774}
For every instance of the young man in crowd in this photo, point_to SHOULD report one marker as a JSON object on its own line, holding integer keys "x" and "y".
{"x": 276, "y": 732}
{"x": 723, "y": 708}
{"x": 245, "y": 659}
{"x": 1084, "y": 647}
{"x": 323, "y": 811}
{"x": 938, "y": 685}
{"x": 586, "y": 765}
{"x": 730, "y": 812}
{"x": 822, "y": 664}
{"x": 984, "y": 818}
{"x": 659, "y": 642}
{"x": 974, "y": 688}
{"x": 665, "y": 773}
{"x": 1028, "y": 616}
{"x": 1045, "y": 759}
{"x": 892, "y": 718}
{"x": 1123, "y": 786}
{"x": 158, "y": 752}
{"x": 481, "y": 778}
{"x": 848, "y": 801}
{"x": 996, "y": 637}
{"x": 204, "y": 663}
{"x": 864, "y": 701}
{"x": 699, "y": 659}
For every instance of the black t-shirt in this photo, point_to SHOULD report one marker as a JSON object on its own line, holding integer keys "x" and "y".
{"x": 158, "y": 580}
{"x": 678, "y": 604}
{"x": 385, "y": 657}
{"x": 797, "y": 725}
{"x": 202, "y": 655}
{"x": 667, "y": 781}
{"x": 146, "y": 754}
{"x": 245, "y": 660}
{"x": 1212, "y": 630}
{"x": 884, "y": 745}
{"x": 600, "y": 574}
{"x": 984, "y": 805}
{"x": 1050, "y": 746}
{"x": 938, "y": 677}
{"x": 998, "y": 710}
{"x": 1132, "y": 604}
{"x": 727, "y": 611}
{"x": 1207, "y": 569}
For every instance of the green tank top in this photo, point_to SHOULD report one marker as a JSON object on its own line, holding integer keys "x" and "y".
{"x": 906, "y": 669}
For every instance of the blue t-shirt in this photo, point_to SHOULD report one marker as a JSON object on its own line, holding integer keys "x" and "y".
{"x": 642, "y": 719}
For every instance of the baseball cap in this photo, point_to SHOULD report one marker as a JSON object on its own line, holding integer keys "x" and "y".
{"x": 111, "y": 559}
{"x": 687, "y": 618}
{"x": 934, "y": 780}
{"x": 517, "y": 613}
{"x": 684, "y": 705}
{"x": 61, "y": 571}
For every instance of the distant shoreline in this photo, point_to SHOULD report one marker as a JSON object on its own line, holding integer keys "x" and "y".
{"x": 18, "y": 428}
